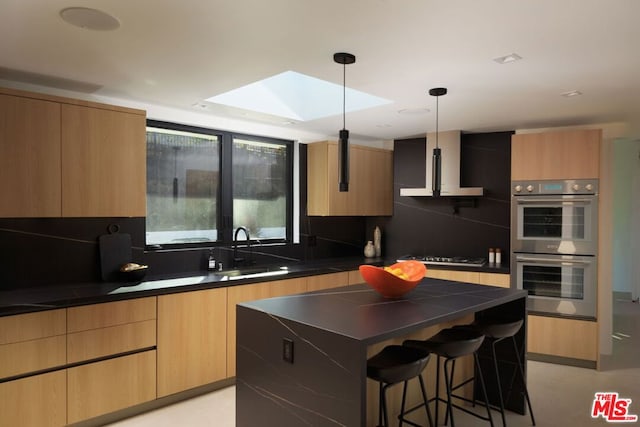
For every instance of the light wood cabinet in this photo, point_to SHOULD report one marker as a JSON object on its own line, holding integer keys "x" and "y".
{"x": 370, "y": 183}
{"x": 327, "y": 281}
{"x": 103, "y": 162}
{"x": 571, "y": 338}
{"x": 494, "y": 279}
{"x": 459, "y": 276}
{"x": 29, "y": 157}
{"x": 192, "y": 349}
{"x": 32, "y": 342}
{"x": 102, "y": 387}
{"x": 355, "y": 277}
{"x": 37, "y": 401}
{"x": 70, "y": 158}
{"x": 243, "y": 293}
{"x": 571, "y": 154}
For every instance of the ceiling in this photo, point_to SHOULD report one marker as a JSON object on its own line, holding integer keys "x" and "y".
{"x": 178, "y": 53}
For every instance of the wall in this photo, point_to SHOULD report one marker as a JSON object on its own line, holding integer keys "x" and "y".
{"x": 432, "y": 226}
{"x": 37, "y": 252}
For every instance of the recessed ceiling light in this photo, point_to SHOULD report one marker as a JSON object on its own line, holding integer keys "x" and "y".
{"x": 512, "y": 57}
{"x": 385, "y": 125}
{"x": 410, "y": 111}
{"x": 200, "y": 105}
{"x": 571, "y": 93}
{"x": 89, "y": 19}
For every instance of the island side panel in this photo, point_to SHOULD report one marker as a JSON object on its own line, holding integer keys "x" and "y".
{"x": 507, "y": 362}
{"x": 324, "y": 386}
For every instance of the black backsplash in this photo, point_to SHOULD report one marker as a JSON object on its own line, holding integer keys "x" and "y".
{"x": 434, "y": 226}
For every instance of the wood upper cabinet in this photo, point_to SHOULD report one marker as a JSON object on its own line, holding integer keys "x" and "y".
{"x": 70, "y": 158}
{"x": 192, "y": 346}
{"x": 29, "y": 157}
{"x": 571, "y": 154}
{"x": 103, "y": 162}
{"x": 370, "y": 181}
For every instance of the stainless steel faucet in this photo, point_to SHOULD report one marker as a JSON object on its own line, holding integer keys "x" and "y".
{"x": 237, "y": 260}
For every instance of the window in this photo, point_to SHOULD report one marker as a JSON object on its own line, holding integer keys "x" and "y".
{"x": 202, "y": 184}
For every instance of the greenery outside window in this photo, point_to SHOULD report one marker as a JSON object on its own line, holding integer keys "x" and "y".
{"x": 202, "y": 184}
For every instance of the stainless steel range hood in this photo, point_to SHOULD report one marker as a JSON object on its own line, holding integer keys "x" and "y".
{"x": 449, "y": 143}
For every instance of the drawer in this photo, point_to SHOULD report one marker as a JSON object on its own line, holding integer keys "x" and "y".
{"x": 38, "y": 401}
{"x": 31, "y": 326}
{"x": 95, "y": 343}
{"x": 99, "y": 388}
{"x": 110, "y": 314}
{"x": 29, "y": 356}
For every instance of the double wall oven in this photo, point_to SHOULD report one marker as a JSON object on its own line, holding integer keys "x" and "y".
{"x": 554, "y": 242}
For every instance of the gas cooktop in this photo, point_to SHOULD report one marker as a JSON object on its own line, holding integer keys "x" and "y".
{"x": 455, "y": 261}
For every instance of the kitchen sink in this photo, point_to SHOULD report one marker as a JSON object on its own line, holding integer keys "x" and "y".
{"x": 250, "y": 272}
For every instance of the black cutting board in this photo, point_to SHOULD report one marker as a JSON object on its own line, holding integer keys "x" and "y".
{"x": 115, "y": 250}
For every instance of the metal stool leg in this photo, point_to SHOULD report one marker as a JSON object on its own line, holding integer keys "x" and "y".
{"x": 524, "y": 382}
{"x": 495, "y": 367}
{"x": 448, "y": 382}
{"x": 426, "y": 401}
{"x": 484, "y": 390}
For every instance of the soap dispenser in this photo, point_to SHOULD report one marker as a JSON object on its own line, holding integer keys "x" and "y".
{"x": 212, "y": 266}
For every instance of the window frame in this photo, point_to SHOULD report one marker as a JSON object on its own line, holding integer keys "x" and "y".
{"x": 224, "y": 198}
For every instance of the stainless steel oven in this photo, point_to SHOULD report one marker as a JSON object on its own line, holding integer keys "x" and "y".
{"x": 557, "y": 284}
{"x": 555, "y": 216}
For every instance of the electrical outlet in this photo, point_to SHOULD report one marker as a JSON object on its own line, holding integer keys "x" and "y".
{"x": 287, "y": 350}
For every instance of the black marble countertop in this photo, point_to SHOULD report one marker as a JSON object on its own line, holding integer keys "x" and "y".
{"x": 28, "y": 300}
{"x": 360, "y": 313}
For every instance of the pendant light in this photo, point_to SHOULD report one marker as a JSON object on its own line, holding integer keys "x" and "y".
{"x": 343, "y": 146}
{"x": 436, "y": 169}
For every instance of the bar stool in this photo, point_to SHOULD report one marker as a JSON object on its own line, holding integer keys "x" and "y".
{"x": 451, "y": 344}
{"x": 395, "y": 364}
{"x": 497, "y": 331}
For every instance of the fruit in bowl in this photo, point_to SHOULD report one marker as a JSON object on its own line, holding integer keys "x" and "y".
{"x": 395, "y": 280}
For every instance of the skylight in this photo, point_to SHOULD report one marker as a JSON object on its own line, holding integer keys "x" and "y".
{"x": 296, "y": 96}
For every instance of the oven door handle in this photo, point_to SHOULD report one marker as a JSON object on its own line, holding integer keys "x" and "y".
{"x": 552, "y": 261}
{"x": 533, "y": 199}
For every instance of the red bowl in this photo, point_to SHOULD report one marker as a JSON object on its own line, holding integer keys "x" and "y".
{"x": 388, "y": 284}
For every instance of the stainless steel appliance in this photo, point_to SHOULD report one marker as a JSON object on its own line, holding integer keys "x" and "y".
{"x": 555, "y": 216}
{"x": 554, "y": 243}
{"x": 455, "y": 261}
{"x": 560, "y": 284}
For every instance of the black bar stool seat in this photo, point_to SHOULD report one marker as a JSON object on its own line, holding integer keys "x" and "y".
{"x": 451, "y": 344}
{"x": 395, "y": 364}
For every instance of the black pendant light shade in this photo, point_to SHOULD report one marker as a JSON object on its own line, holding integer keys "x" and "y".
{"x": 436, "y": 169}
{"x": 343, "y": 146}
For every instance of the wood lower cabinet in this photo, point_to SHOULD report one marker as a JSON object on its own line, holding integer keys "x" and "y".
{"x": 570, "y": 154}
{"x": 327, "y": 281}
{"x": 29, "y": 157}
{"x": 192, "y": 345}
{"x": 32, "y": 342}
{"x": 102, "y": 387}
{"x": 370, "y": 184}
{"x": 501, "y": 280}
{"x": 570, "y": 338}
{"x": 355, "y": 277}
{"x": 459, "y": 276}
{"x": 37, "y": 401}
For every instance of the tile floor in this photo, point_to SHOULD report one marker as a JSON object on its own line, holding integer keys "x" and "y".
{"x": 560, "y": 395}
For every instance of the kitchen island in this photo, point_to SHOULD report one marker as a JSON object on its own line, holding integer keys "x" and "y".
{"x": 301, "y": 359}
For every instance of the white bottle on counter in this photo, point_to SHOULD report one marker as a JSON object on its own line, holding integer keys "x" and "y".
{"x": 498, "y": 256}
{"x": 369, "y": 250}
{"x": 492, "y": 256}
{"x": 377, "y": 241}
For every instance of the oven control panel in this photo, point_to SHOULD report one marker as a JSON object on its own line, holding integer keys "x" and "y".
{"x": 562, "y": 186}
